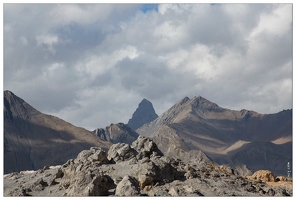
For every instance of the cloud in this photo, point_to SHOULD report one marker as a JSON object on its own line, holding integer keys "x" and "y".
{"x": 91, "y": 64}
{"x": 48, "y": 42}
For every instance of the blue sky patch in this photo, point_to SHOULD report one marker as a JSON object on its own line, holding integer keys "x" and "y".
{"x": 147, "y": 7}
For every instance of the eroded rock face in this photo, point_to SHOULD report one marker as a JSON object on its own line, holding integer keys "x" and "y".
{"x": 136, "y": 170}
{"x": 81, "y": 176}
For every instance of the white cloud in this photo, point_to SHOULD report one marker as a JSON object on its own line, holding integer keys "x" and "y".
{"x": 97, "y": 65}
{"x": 276, "y": 22}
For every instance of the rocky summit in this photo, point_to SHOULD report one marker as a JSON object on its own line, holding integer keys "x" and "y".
{"x": 145, "y": 113}
{"x": 117, "y": 133}
{"x": 140, "y": 169}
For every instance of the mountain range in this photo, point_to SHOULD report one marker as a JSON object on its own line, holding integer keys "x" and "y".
{"x": 261, "y": 141}
{"x": 192, "y": 129}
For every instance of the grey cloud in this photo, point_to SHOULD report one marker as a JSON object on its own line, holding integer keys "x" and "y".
{"x": 151, "y": 78}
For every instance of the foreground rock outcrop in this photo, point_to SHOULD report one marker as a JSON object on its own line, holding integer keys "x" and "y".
{"x": 139, "y": 169}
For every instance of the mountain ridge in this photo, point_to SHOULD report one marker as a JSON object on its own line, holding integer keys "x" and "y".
{"x": 33, "y": 140}
{"x": 199, "y": 124}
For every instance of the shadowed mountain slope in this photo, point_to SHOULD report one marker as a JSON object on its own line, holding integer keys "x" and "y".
{"x": 223, "y": 134}
{"x": 33, "y": 140}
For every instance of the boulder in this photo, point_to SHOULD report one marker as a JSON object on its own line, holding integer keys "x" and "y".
{"x": 145, "y": 147}
{"x": 93, "y": 155}
{"x": 81, "y": 176}
{"x": 87, "y": 184}
{"x": 147, "y": 173}
{"x": 128, "y": 186}
{"x": 121, "y": 152}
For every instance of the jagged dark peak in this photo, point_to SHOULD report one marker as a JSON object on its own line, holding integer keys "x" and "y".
{"x": 144, "y": 114}
{"x": 145, "y": 101}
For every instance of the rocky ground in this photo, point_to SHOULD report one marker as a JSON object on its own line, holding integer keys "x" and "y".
{"x": 140, "y": 169}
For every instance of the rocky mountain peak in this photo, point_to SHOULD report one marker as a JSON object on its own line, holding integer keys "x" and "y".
{"x": 204, "y": 104}
{"x": 145, "y": 113}
{"x": 183, "y": 101}
{"x": 117, "y": 133}
{"x": 14, "y": 106}
{"x": 145, "y": 103}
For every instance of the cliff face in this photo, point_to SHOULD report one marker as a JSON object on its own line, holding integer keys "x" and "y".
{"x": 227, "y": 136}
{"x": 33, "y": 140}
{"x": 145, "y": 113}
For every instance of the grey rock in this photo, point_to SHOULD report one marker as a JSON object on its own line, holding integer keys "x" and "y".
{"x": 128, "y": 186}
{"x": 98, "y": 156}
{"x": 39, "y": 184}
{"x": 117, "y": 133}
{"x": 241, "y": 170}
{"x": 121, "y": 152}
{"x": 93, "y": 155}
{"x": 145, "y": 147}
{"x": 87, "y": 184}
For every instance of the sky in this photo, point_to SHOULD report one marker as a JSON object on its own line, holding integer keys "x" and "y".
{"x": 92, "y": 64}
